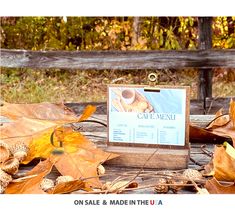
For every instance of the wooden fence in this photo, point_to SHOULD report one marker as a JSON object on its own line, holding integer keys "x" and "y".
{"x": 204, "y": 59}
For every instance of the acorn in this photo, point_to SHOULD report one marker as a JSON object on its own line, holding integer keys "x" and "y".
{"x": 10, "y": 166}
{"x": 161, "y": 186}
{"x": 2, "y": 189}
{"x": 178, "y": 184}
{"x": 62, "y": 179}
{"x": 192, "y": 174}
{"x": 5, "y": 178}
{"x": 47, "y": 184}
{"x": 100, "y": 170}
{"x": 19, "y": 151}
{"x": 4, "y": 151}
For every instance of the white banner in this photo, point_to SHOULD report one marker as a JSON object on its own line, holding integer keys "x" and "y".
{"x": 117, "y": 202}
{"x": 117, "y": 8}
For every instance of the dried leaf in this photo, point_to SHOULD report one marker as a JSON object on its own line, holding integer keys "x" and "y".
{"x": 220, "y": 120}
{"x": 25, "y": 129}
{"x": 72, "y": 142}
{"x": 215, "y": 187}
{"x": 42, "y": 166}
{"x": 30, "y": 185}
{"x": 40, "y": 111}
{"x": 89, "y": 110}
{"x": 80, "y": 166}
{"x": 201, "y": 135}
{"x": 228, "y": 130}
{"x": 209, "y": 169}
{"x": 68, "y": 187}
{"x": 224, "y": 164}
{"x": 232, "y": 113}
{"x": 81, "y": 157}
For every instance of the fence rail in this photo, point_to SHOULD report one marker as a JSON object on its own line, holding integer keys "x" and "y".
{"x": 118, "y": 60}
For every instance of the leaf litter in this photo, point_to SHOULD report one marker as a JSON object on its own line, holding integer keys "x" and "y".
{"x": 82, "y": 160}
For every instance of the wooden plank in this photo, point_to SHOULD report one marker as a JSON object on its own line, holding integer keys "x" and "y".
{"x": 119, "y": 60}
{"x": 196, "y": 106}
{"x": 139, "y": 156}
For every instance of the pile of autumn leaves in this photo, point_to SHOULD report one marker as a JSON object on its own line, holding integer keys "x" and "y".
{"x": 33, "y": 125}
{"x": 222, "y": 165}
{"x": 80, "y": 165}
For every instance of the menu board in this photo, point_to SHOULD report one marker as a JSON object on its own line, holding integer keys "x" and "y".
{"x": 143, "y": 115}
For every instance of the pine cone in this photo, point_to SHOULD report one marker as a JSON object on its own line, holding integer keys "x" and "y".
{"x": 5, "y": 178}
{"x": 161, "y": 186}
{"x": 192, "y": 174}
{"x": 19, "y": 151}
{"x": 62, "y": 179}
{"x": 10, "y": 166}
{"x": 47, "y": 184}
{"x": 4, "y": 151}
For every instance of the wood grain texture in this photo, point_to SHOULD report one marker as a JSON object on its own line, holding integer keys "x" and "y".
{"x": 119, "y": 60}
{"x": 205, "y": 43}
{"x": 139, "y": 157}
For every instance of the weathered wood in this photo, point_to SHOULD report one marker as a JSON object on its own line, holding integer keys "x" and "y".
{"x": 159, "y": 158}
{"x": 119, "y": 60}
{"x": 205, "y": 43}
{"x": 196, "y": 106}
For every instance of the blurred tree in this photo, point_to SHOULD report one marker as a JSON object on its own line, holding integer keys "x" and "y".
{"x": 106, "y": 33}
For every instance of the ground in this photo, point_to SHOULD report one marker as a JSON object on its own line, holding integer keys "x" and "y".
{"x": 33, "y": 86}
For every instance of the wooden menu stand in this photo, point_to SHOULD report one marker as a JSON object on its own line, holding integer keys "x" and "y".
{"x": 148, "y": 155}
{"x": 160, "y": 158}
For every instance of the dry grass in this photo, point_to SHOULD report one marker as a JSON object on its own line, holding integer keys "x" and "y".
{"x": 30, "y": 86}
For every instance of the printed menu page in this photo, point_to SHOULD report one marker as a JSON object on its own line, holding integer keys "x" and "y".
{"x": 142, "y": 116}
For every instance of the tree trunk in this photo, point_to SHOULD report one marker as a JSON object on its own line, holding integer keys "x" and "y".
{"x": 135, "y": 36}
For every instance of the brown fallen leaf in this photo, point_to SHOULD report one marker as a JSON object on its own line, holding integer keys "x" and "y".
{"x": 88, "y": 111}
{"x": 42, "y": 166}
{"x": 68, "y": 187}
{"x": 41, "y": 111}
{"x": 81, "y": 157}
{"x": 83, "y": 165}
{"x": 225, "y": 131}
{"x": 201, "y": 135}
{"x": 224, "y": 163}
{"x": 215, "y": 187}
{"x": 36, "y": 133}
{"x": 232, "y": 112}
{"x": 218, "y": 131}
{"x": 219, "y": 120}
{"x": 228, "y": 129}
{"x": 30, "y": 185}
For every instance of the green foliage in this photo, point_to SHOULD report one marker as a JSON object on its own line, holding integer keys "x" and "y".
{"x": 103, "y": 33}
{"x": 107, "y": 33}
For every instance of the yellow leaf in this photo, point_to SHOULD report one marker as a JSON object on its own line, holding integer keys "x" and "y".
{"x": 89, "y": 110}
{"x": 230, "y": 150}
{"x": 232, "y": 112}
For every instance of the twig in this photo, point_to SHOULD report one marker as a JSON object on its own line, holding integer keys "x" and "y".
{"x": 24, "y": 178}
{"x": 205, "y": 151}
{"x": 209, "y": 109}
{"x": 194, "y": 161}
{"x": 138, "y": 173}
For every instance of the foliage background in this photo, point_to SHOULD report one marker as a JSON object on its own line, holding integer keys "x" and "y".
{"x": 104, "y": 33}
